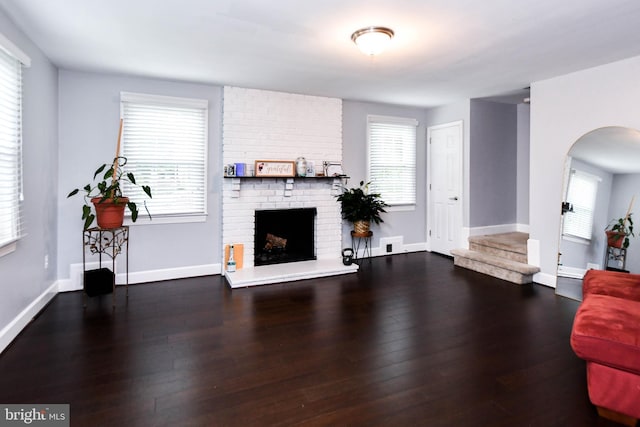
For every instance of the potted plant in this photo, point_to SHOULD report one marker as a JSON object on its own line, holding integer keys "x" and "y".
{"x": 107, "y": 198}
{"x": 618, "y": 232}
{"x": 361, "y": 207}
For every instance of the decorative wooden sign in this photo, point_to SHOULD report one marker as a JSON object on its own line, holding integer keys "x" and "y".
{"x": 275, "y": 168}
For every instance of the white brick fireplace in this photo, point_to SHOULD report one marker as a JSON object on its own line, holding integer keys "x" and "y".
{"x": 264, "y": 125}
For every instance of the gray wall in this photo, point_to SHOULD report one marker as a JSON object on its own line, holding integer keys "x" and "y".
{"x": 625, "y": 186}
{"x": 522, "y": 179}
{"x": 493, "y": 164}
{"x": 577, "y": 255}
{"x": 410, "y": 224}
{"x": 89, "y": 120}
{"x": 24, "y": 277}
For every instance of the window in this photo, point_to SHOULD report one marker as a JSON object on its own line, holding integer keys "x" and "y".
{"x": 392, "y": 158}
{"x": 581, "y": 193}
{"x": 11, "y": 62}
{"x": 165, "y": 142}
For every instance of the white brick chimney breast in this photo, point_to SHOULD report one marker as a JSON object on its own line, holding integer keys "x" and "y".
{"x": 266, "y": 125}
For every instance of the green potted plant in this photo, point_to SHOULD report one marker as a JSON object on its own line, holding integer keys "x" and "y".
{"x": 106, "y": 196}
{"x": 361, "y": 207}
{"x": 618, "y": 232}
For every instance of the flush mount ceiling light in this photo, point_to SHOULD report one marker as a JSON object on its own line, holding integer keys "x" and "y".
{"x": 372, "y": 40}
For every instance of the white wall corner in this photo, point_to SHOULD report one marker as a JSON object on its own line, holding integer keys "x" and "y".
{"x": 533, "y": 252}
{"x": 11, "y": 331}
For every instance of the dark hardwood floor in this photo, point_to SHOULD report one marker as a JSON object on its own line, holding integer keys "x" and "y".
{"x": 409, "y": 340}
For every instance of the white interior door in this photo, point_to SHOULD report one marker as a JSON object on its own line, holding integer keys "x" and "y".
{"x": 444, "y": 187}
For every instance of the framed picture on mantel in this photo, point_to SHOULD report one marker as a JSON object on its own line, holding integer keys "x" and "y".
{"x": 275, "y": 168}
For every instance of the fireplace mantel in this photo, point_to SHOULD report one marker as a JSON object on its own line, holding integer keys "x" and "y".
{"x": 337, "y": 182}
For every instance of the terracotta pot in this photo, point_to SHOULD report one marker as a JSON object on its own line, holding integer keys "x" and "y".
{"x": 615, "y": 239}
{"x": 109, "y": 214}
{"x": 361, "y": 227}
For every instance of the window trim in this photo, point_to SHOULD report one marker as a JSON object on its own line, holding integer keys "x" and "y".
{"x": 406, "y": 121}
{"x": 24, "y": 60}
{"x": 173, "y": 101}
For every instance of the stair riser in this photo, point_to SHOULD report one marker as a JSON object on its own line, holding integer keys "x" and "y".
{"x": 491, "y": 270}
{"x": 514, "y": 256}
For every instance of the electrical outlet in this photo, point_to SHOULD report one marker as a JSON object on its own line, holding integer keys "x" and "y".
{"x": 46, "y": 261}
{"x": 389, "y": 247}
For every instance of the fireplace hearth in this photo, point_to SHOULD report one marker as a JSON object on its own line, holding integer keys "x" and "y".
{"x": 284, "y": 235}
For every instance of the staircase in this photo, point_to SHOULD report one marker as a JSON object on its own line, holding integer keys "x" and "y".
{"x": 499, "y": 255}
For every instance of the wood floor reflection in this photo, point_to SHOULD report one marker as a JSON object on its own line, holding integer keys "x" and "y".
{"x": 409, "y": 340}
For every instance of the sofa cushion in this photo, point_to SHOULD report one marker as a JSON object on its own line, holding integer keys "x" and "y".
{"x": 613, "y": 283}
{"x": 606, "y": 330}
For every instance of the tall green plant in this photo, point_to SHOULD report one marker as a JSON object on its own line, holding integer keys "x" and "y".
{"x": 360, "y": 205}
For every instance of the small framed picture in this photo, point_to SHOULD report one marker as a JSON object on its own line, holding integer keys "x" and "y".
{"x": 333, "y": 169}
{"x": 275, "y": 168}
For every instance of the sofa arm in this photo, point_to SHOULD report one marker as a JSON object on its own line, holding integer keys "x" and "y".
{"x": 612, "y": 283}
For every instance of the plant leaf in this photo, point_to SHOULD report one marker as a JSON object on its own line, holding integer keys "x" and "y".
{"x": 109, "y": 173}
{"x": 99, "y": 170}
{"x": 89, "y": 221}
{"x": 134, "y": 211}
{"x": 131, "y": 177}
{"x": 147, "y": 190}
{"x": 73, "y": 193}
{"x": 86, "y": 211}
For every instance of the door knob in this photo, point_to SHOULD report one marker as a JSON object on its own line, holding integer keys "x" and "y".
{"x": 453, "y": 198}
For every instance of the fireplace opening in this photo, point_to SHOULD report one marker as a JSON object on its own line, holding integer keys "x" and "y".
{"x": 284, "y": 235}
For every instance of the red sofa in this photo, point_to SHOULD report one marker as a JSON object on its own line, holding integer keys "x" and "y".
{"x": 606, "y": 334}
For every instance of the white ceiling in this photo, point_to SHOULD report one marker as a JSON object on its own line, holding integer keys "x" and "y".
{"x": 613, "y": 149}
{"x": 444, "y": 50}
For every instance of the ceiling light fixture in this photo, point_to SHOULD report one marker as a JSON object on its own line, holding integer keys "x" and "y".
{"x": 372, "y": 40}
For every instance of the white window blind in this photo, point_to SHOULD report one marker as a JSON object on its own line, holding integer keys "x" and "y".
{"x": 165, "y": 142}
{"x": 581, "y": 193}
{"x": 392, "y": 158}
{"x": 10, "y": 149}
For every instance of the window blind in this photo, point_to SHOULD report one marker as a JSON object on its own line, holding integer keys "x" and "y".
{"x": 165, "y": 142}
{"x": 392, "y": 158}
{"x": 581, "y": 193}
{"x": 10, "y": 148}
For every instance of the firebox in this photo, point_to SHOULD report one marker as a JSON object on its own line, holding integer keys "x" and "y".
{"x": 284, "y": 235}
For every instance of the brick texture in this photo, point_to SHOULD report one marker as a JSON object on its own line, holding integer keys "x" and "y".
{"x": 265, "y": 125}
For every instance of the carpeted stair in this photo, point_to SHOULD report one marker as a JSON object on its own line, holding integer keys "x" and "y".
{"x": 499, "y": 255}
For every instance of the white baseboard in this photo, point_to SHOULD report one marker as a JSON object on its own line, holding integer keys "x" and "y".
{"x": 11, "y": 331}
{"x": 382, "y": 250}
{"x": 571, "y": 272}
{"x": 545, "y": 279}
{"x": 74, "y": 283}
{"x": 169, "y": 273}
{"x": 415, "y": 247}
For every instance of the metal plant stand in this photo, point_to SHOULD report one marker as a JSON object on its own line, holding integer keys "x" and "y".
{"x": 363, "y": 240}
{"x": 110, "y": 242}
{"x": 615, "y": 259}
